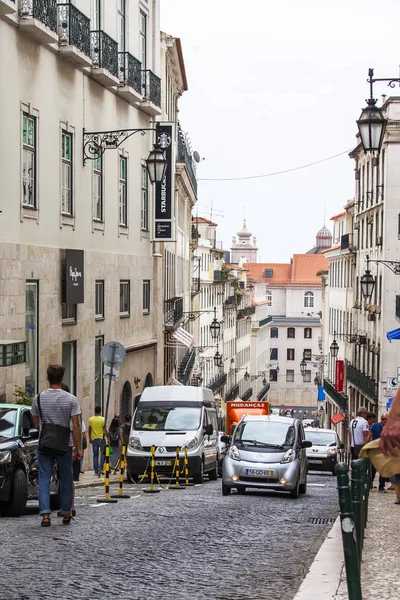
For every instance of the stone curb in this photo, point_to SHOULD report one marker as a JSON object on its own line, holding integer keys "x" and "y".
{"x": 324, "y": 576}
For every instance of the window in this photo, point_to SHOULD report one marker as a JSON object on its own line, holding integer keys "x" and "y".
{"x": 268, "y": 273}
{"x": 98, "y": 188}
{"x": 69, "y": 313}
{"x": 307, "y": 377}
{"x": 273, "y": 375}
{"x": 290, "y": 375}
{"x": 268, "y": 297}
{"x": 274, "y": 354}
{"x": 291, "y": 332}
{"x": 29, "y": 161}
{"x": 274, "y": 332}
{"x": 142, "y": 39}
{"x": 69, "y": 362}
{"x": 124, "y": 298}
{"x": 308, "y": 300}
{"x": 290, "y": 354}
{"x": 99, "y": 299}
{"x": 146, "y": 297}
{"x": 66, "y": 173}
{"x": 308, "y": 333}
{"x": 123, "y": 192}
{"x": 307, "y": 354}
{"x": 144, "y": 213}
{"x": 98, "y": 373}
{"x": 32, "y": 336}
{"x": 121, "y": 25}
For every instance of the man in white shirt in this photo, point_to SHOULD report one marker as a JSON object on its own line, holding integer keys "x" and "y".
{"x": 359, "y": 432}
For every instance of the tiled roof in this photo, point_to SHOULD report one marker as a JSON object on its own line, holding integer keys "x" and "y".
{"x": 303, "y": 270}
{"x": 203, "y": 220}
{"x": 281, "y": 272}
{"x": 342, "y": 214}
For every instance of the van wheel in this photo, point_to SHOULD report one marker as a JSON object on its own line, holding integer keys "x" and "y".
{"x": 199, "y": 476}
{"x": 226, "y": 490}
{"x": 15, "y": 507}
{"x": 295, "y": 492}
{"x": 213, "y": 475}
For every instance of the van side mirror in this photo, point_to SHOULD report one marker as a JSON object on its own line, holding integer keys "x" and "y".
{"x": 306, "y": 443}
{"x": 225, "y": 439}
{"x": 208, "y": 429}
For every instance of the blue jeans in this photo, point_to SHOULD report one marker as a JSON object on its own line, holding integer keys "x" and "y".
{"x": 46, "y": 467}
{"x": 98, "y": 444}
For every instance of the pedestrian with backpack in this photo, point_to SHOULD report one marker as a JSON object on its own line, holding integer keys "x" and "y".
{"x": 114, "y": 435}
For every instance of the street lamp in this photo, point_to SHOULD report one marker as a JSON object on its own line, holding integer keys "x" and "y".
{"x": 367, "y": 282}
{"x": 303, "y": 367}
{"x": 156, "y": 164}
{"x": 371, "y": 125}
{"x": 215, "y": 327}
{"x": 246, "y": 375}
{"x": 264, "y": 382}
{"x": 334, "y": 349}
{"x": 218, "y": 362}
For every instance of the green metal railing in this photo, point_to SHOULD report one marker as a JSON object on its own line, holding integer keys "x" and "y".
{"x": 130, "y": 71}
{"x": 353, "y": 502}
{"x": 74, "y": 27}
{"x": 104, "y": 52}
{"x": 151, "y": 87}
{"x": 43, "y": 10}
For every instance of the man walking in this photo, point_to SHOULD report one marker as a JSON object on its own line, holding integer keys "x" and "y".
{"x": 97, "y": 427}
{"x": 359, "y": 432}
{"x": 54, "y": 406}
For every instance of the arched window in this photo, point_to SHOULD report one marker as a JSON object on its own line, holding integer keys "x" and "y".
{"x": 148, "y": 381}
{"x": 309, "y": 300}
{"x": 126, "y": 400}
{"x": 268, "y": 297}
{"x": 291, "y": 332}
{"x": 274, "y": 332}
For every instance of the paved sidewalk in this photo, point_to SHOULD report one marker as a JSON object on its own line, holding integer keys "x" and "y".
{"x": 380, "y": 572}
{"x": 89, "y": 479}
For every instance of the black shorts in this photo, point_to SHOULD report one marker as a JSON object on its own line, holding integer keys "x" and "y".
{"x": 76, "y": 469}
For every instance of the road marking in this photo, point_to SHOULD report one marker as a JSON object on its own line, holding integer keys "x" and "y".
{"x": 316, "y": 484}
{"x": 99, "y": 504}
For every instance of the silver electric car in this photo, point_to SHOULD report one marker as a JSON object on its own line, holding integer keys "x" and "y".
{"x": 266, "y": 452}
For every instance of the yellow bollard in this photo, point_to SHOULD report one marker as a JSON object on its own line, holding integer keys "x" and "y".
{"x": 177, "y": 472}
{"x": 121, "y": 476}
{"x": 107, "y": 498}
{"x": 152, "y": 489}
{"x": 186, "y": 463}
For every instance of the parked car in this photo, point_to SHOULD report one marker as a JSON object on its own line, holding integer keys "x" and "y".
{"x": 222, "y": 450}
{"x": 18, "y": 462}
{"x": 323, "y": 454}
{"x": 266, "y": 452}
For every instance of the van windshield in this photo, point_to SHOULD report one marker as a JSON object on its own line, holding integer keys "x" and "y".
{"x": 320, "y": 438}
{"x": 269, "y": 433}
{"x": 162, "y": 418}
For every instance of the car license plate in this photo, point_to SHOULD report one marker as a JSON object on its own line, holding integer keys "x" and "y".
{"x": 315, "y": 462}
{"x": 163, "y": 463}
{"x": 259, "y": 473}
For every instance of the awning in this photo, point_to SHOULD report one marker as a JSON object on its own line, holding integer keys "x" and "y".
{"x": 338, "y": 418}
{"x": 181, "y": 337}
{"x": 263, "y": 392}
{"x": 393, "y": 335}
{"x": 175, "y": 382}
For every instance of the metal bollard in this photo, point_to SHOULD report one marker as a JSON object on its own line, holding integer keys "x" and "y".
{"x": 177, "y": 472}
{"x": 357, "y": 495}
{"x": 121, "y": 476}
{"x": 349, "y": 537}
{"x": 107, "y": 498}
{"x": 152, "y": 489}
{"x": 367, "y": 463}
{"x": 186, "y": 465}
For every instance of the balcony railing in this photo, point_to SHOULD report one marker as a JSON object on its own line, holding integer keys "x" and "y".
{"x": 173, "y": 312}
{"x": 184, "y": 156}
{"x": 195, "y": 286}
{"x": 230, "y": 301}
{"x": 233, "y": 392}
{"x": 151, "y": 87}
{"x": 398, "y": 306}
{"x": 73, "y": 28}
{"x": 263, "y": 392}
{"x": 130, "y": 71}
{"x": 104, "y": 52}
{"x": 366, "y": 384}
{"x": 341, "y": 399}
{"x": 186, "y": 367}
{"x": 218, "y": 383}
{"x": 43, "y": 10}
{"x": 248, "y": 394}
{"x": 347, "y": 243}
{"x": 246, "y": 312}
{"x": 217, "y": 275}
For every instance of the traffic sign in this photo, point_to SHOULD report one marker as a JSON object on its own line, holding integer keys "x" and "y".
{"x": 389, "y": 403}
{"x": 112, "y": 354}
{"x": 392, "y": 383}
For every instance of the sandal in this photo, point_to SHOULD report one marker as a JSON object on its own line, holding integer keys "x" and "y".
{"x": 61, "y": 514}
{"x": 46, "y": 521}
{"x": 67, "y": 519}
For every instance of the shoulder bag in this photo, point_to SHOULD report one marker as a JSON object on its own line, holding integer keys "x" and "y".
{"x": 53, "y": 439}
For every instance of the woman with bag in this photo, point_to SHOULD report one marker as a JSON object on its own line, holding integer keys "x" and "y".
{"x": 114, "y": 435}
{"x": 52, "y": 411}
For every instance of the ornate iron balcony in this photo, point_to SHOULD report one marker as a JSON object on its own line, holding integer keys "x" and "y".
{"x": 151, "y": 87}
{"x": 366, "y": 384}
{"x": 104, "y": 52}
{"x": 233, "y": 392}
{"x": 186, "y": 367}
{"x": 398, "y": 306}
{"x": 245, "y": 312}
{"x": 43, "y": 10}
{"x": 195, "y": 286}
{"x": 263, "y": 392}
{"x": 173, "y": 312}
{"x": 218, "y": 383}
{"x": 340, "y": 398}
{"x": 74, "y": 28}
{"x": 185, "y": 156}
{"x": 230, "y": 301}
{"x": 347, "y": 243}
{"x": 130, "y": 71}
{"x": 248, "y": 394}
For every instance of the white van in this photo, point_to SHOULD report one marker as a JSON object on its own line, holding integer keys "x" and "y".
{"x": 171, "y": 416}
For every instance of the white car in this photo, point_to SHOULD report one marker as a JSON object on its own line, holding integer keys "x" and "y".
{"x": 323, "y": 454}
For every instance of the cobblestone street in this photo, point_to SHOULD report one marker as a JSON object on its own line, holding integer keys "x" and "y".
{"x": 177, "y": 545}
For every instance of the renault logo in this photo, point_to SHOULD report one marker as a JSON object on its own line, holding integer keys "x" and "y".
{"x": 161, "y": 450}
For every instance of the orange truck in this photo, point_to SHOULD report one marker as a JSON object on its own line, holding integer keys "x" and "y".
{"x": 236, "y": 410}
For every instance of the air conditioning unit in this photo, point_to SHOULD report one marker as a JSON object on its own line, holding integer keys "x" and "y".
{"x": 379, "y": 240}
{"x": 357, "y": 225}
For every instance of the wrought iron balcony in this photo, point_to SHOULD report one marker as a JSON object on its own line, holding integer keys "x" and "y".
{"x": 151, "y": 92}
{"x": 173, "y": 312}
{"x": 43, "y": 10}
{"x": 186, "y": 367}
{"x": 218, "y": 383}
{"x": 73, "y": 28}
{"x": 104, "y": 54}
{"x": 195, "y": 286}
{"x": 248, "y": 394}
{"x": 264, "y": 391}
{"x": 366, "y": 384}
{"x": 347, "y": 243}
{"x": 341, "y": 399}
{"x": 185, "y": 157}
{"x": 398, "y": 306}
{"x": 233, "y": 392}
{"x": 246, "y": 312}
{"x": 230, "y": 301}
{"x": 130, "y": 71}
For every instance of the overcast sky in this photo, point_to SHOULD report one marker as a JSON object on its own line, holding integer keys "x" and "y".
{"x": 272, "y": 86}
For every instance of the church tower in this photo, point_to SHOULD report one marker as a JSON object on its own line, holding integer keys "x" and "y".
{"x": 244, "y": 246}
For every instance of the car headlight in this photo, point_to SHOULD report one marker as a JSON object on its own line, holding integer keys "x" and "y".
{"x": 234, "y": 453}
{"x": 5, "y": 457}
{"x": 135, "y": 444}
{"x": 289, "y": 456}
{"x": 332, "y": 451}
{"x": 192, "y": 444}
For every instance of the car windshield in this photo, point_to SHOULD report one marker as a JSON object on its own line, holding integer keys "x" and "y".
{"x": 320, "y": 438}
{"x": 176, "y": 418}
{"x": 8, "y": 418}
{"x": 267, "y": 433}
